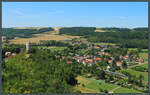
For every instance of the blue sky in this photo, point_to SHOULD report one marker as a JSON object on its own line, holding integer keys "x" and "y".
{"x": 68, "y": 14}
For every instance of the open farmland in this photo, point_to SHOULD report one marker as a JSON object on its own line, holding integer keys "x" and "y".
{"x": 50, "y": 35}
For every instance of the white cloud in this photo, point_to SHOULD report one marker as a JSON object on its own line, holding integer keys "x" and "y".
{"x": 20, "y": 14}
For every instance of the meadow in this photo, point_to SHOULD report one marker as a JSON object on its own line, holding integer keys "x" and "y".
{"x": 91, "y": 85}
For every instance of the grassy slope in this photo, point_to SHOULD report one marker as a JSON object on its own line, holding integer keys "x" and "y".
{"x": 125, "y": 90}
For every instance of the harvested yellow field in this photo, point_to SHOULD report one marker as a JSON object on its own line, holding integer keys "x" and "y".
{"x": 99, "y": 30}
{"x": 83, "y": 89}
{"x": 52, "y": 35}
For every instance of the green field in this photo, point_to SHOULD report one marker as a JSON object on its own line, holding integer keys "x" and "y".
{"x": 144, "y": 65}
{"x": 144, "y": 56}
{"x": 125, "y": 90}
{"x": 105, "y": 86}
{"x": 92, "y": 86}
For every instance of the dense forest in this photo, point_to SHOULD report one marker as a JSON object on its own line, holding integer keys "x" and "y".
{"x": 130, "y": 38}
{"x": 77, "y": 31}
{"x": 10, "y": 33}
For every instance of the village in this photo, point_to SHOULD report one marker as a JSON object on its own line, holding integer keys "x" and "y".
{"x": 97, "y": 56}
{"x": 94, "y": 58}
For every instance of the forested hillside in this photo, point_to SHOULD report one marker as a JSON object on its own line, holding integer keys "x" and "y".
{"x": 130, "y": 38}
{"x": 77, "y": 31}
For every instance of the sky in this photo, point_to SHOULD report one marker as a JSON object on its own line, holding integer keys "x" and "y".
{"x": 73, "y": 14}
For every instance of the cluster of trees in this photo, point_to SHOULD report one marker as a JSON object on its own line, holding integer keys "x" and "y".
{"x": 10, "y": 33}
{"x": 53, "y": 43}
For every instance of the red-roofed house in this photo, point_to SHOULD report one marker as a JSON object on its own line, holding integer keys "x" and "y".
{"x": 96, "y": 47}
{"x": 110, "y": 61}
{"x": 119, "y": 64}
{"x": 69, "y": 62}
{"x": 140, "y": 60}
{"x": 89, "y": 60}
{"x": 98, "y": 59}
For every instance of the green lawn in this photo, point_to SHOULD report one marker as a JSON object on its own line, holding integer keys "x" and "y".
{"x": 144, "y": 65}
{"x": 105, "y": 86}
{"x": 93, "y": 84}
{"x": 132, "y": 49}
{"x": 145, "y": 50}
{"x": 125, "y": 90}
{"x": 144, "y": 56}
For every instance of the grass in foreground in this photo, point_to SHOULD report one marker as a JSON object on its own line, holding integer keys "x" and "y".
{"x": 93, "y": 85}
{"x": 125, "y": 90}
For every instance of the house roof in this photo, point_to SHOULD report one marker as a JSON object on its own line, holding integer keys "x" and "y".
{"x": 89, "y": 60}
{"x": 68, "y": 62}
{"x": 98, "y": 59}
{"x": 110, "y": 61}
{"x": 119, "y": 63}
{"x": 96, "y": 47}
